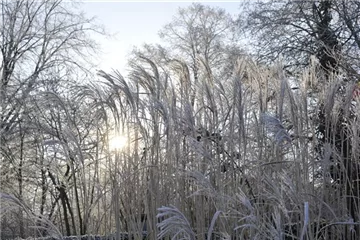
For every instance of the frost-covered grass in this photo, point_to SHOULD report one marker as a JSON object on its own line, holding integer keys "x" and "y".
{"x": 242, "y": 161}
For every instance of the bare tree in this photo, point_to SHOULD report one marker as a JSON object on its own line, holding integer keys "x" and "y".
{"x": 44, "y": 47}
{"x": 296, "y": 30}
{"x": 37, "y": 37}
{"x": 201, "y": 36}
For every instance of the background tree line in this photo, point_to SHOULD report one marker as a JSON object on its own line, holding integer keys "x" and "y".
{"x": 253, "y": 139}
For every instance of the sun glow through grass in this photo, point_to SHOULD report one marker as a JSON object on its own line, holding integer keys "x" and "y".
{"x": 118, "y": 142}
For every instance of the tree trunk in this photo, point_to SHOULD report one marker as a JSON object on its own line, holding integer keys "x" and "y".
{"x": 20, "y": 184}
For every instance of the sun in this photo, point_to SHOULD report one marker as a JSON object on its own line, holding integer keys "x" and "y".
{"x": 118, "y": 142}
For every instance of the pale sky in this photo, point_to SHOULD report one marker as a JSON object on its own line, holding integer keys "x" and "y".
{"x": 135, "y": 23}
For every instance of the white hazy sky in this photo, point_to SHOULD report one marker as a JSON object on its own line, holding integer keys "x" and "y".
{"x": 134, "y": 23}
